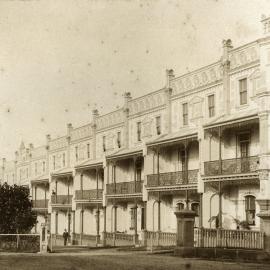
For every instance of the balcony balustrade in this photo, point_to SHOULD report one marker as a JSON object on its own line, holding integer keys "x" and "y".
{"x": 40, "y": 203}
{"x": 231, "y": 166}
{"x": 92, "y": 194}
{"x": 173, "y": 178}
{"x": 124, "y": 188}
{"x": 61, "y": 199}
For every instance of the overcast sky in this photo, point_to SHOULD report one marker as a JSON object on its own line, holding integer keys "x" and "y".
{"x": 59, "y": 59}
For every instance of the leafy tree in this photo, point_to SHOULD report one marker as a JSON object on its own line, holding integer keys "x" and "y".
{"x": 16, "y": 214}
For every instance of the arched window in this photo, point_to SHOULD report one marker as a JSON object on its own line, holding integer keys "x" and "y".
{"x": 250, "y": 209}
{"x": 196, "y": 208}
{"x": 180, "y": 206}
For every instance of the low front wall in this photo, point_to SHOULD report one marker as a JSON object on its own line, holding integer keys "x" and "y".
{"x": 20, "y": 243}
{"x": 85, "y": 240}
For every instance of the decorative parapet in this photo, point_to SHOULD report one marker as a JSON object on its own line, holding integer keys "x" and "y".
{"x": 58, "y": 143}
{"x": 110, "y": 119}
{"x": 244, "y": 55}
{"x": 81, "y": 132}
{"x": 38, "y": 152}
{"x": 147, "y": 102}
{"x": 197, "y": 79}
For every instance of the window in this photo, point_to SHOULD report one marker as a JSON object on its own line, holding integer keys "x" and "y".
{"x": 158, "y": 125}
{"x": 139, "y": 131}
{"x": 54, "y": 162}
{"x": 185, "y": 114}
{"x": 195, "y": 207}
{"x": 132, "y": 221}
{"x": 138, "y": 170}
{"x": 104, "y": 143}
{"x": 250, "y": 209}
{"x": 119, "y": 139}
{"x": 88, "y": 150}
{"x": 211, "y": 105}
{"x": 244, "y": 142}
{"x": 43, "y": 166}
{"x": 180, "y": 206}
{"x": 142, "y": 218}
{"x": 64, "y": 159}
{"x": 243, "y": 91}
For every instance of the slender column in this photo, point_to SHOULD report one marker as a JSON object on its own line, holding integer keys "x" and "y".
{"x": 73, "y": 228}
{"x": 158, "y": 153}
{"x": 105, "y": 225}
{"x": 81, "y": 225}
{"x": 201, "y": 211}
{"x": 115, "y": 218}
{"x": 45, "y": 196}
{"x": 56, "y": 225}
{"x": 220, "y": 158}
{"x": 96, "y": 183}
{"x": 115, "y": 224}
{"x": 97, "y": 225}
{"x": 220, "y": 206}
{"x": 187, "y": 200}
{"x": 69, "y": 222}
{"x": 145, "y": 216}
{"x": 56, "y": 191}
{"x": 135, "y": 225}
{"x": 186, "y": 162}
{"x": 68, "y": 191}
{"x": 134, "y": 168}
{"x": 81, "y": 185}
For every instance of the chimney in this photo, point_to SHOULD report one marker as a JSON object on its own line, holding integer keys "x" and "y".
{"x": 127, "y": 98}
{"x": 266, "y": 25}
{"x": 3, "y": 162}
{"x": 95, "y": 114}
{"x": 48, "y": 139}
{"x": 227, "y": 46}
{"x": 69, "y": 129}
{"x": 169, "y": 77}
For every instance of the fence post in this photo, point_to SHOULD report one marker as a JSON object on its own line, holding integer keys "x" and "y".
{"x": 43, "y": 238}
{"x": 17, "y": 241}
{"x": 144, "y": 238}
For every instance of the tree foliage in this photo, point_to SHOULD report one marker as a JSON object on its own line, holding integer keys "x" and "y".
{"x": 16, "y": 214}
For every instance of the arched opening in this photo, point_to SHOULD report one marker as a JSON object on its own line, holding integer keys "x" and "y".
{"x": 250, "y": 209}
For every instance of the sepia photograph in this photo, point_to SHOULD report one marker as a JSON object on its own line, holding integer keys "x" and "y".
{"x": 134, "y": 134}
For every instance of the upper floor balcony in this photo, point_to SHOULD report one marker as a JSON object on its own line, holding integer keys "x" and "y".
{"x": 62, "y": 200}
{"x": 125, "y": 188}
{"x": 231, "y": 166}
{"x": 41, "y": 205}
{"x": 88, "y": 195}
{"x": 179, "y": 179}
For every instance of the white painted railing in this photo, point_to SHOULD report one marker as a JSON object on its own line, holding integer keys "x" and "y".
{"x": 228, "y": 238}
{"x": 159, "y": 238}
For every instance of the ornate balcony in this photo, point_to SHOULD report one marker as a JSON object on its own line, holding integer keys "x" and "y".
{"x": 124, "y": 188}
{"x": 40, "y": 204}
{"x": 231, "y": 166}
{"x": 172, "y": 178}
{"x": 61, "y": 199}
{"x": 92, "y": 194}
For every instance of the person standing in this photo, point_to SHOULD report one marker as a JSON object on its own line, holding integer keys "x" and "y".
{"x": 65, "y": 236}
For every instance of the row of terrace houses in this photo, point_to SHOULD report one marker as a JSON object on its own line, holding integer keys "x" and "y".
{"x": 200, "y": 142}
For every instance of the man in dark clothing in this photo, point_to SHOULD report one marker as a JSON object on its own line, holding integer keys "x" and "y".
{"x": 65, "y": 236}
